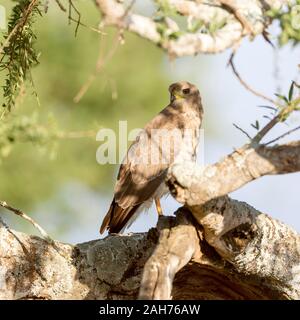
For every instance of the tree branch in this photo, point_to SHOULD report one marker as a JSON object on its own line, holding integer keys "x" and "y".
{"x": 236, "y": 253}
{"x": 23, "y": 215}
{"x": 178, "y": 244}
{"x": 192, "y": 184}
{"x": 245, "y": 84}
{"x": 226, "y": 23}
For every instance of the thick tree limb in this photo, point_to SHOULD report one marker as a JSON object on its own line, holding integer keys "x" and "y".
{"x": 178, "y": 244}
{"x": 255, "y": 257}
{"x": 194, "y": 185}
{"x": 30, "y": 268}
{"x": 231, "y": 20}
{"x": 239, "y": 254}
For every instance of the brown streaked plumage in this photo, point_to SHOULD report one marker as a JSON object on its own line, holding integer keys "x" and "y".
{"x": 141, "y": 182}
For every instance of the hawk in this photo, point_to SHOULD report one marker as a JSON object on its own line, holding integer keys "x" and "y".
{"x": 170, "y": 137}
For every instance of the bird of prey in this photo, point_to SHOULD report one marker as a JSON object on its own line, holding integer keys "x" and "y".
{"x": 170, "y": 137}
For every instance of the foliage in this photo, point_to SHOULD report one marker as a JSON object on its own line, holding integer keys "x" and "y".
{"x": 18, "y": 56}
{"x": 171, "y": 24}
{"x": 289, "y": 20}
{"x": 24, "y": 129}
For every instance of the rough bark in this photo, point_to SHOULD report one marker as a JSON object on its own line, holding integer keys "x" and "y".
{"x": 238, "y": 253}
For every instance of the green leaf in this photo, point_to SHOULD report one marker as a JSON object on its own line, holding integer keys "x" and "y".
{"x": 268, "y": 107}
{"x": 281, "y": 97}
{"x": 256, "y": 125}
{"x": 291, "y": 91}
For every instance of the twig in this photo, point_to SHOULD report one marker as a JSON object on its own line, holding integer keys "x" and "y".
{"x": 15, "y": 236}
{"x": 20, "y": 24}
{"x": 86, "y": 26}
{"x": 26, "y": 217}
{"x": 242, "y": 130}
{"x": 61, "y": 6}
{"x": 258, "y": 94}
{"x": 37, "y": 226}
{"x": 72, "y": 6}
{"x": 283, "y": 114}
{"x": 46, "y": 6}
{"x": 77, "y": 21}
{"x": 76, "y": 134}
{"x": 100, "y": 63}
{"x": 265, "y": 35}
{"x": 282, "y": 136}
{"x": 129, "y": 7}
{"x": 265, "y": 130}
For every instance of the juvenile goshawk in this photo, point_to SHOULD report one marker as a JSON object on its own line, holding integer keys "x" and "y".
{"x": 170, "y": 137}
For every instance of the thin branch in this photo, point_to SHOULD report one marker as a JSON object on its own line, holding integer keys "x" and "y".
{"x": 129, "y": 7}
{"x": 76, "y": 134}
{"x": 26, "y": 217}
{"x": 256, "y": 93}
{"x": 72, "y": 6}
{"x": 100, "y": 64}
{"x": 242, "y": 130}
{"x": 258, "y": 137}
{"x": 46, "y": 6}
{"x": 265, "y": 35}
{"x": 88, "y": 27}
{"x": 282, "y": 136}
{"x": 61, "y": 6}
{"x": 15, "y": 236}
{"x": 282, "y": 115}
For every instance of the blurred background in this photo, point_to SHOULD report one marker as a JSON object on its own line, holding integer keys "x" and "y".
{"x": 58, "y": 181}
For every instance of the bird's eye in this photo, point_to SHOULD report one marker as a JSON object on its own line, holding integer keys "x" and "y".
{"x": 186, "y": 91}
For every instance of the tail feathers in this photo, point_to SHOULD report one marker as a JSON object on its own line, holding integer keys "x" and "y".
{"x": 117, "y": 218}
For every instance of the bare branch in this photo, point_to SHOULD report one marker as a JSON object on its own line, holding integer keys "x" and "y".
{"x": 101, "y": 62}
{"x": 72, "y": 6}
{"x": 242, "y": 130}
{"x": 245, "y": 85}
{"x": 86, "y": 26}
{"x": 284, "y": 113}
{"x": 76, "y": 134}
{"x": 61, "y": 6}
{"x": 258, "y": 137}
{"x": 26, "y": 217}
{"x": 283, "y": 135}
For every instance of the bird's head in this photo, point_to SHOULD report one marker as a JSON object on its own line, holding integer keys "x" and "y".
{"x": 183, "y": 91}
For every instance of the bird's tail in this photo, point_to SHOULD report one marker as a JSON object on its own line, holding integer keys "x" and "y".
{"x": 117, "y": 217}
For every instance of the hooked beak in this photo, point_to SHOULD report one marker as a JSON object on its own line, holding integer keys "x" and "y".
{"x": 176, "y": 96}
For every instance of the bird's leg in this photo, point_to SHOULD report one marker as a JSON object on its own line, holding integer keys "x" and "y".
{"x": 158, "y": 207}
